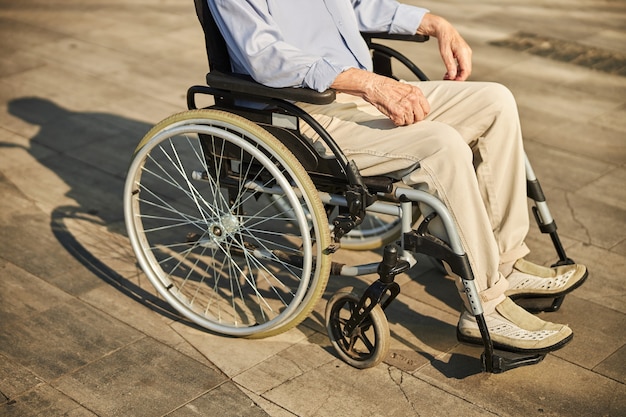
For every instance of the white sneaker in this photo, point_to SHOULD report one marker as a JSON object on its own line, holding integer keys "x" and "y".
{"x": 514, "y": 329}
{"x": 531, "y": 280}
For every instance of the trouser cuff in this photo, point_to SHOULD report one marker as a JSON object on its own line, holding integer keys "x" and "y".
{"x": 508, "y": 259}
{"x": 493, "y": 295}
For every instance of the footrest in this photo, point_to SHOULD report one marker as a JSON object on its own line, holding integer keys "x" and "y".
{"x": 502, "y": 361}
{"x": 540, "y": 304}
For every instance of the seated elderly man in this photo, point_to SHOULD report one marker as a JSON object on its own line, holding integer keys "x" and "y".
{"x": 460, "y": 141}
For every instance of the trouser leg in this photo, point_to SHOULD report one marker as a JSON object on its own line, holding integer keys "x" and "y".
{"x": 485, "y": 115}
{"x": 462, "y": 114}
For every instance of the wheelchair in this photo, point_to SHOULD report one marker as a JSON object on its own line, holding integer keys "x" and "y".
{"x": 234, "y": 216}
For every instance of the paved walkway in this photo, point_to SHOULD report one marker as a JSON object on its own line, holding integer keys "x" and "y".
{"x": 81, "y": 331}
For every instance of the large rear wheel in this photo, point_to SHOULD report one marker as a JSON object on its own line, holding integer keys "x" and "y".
{"x": 201, "y": 214}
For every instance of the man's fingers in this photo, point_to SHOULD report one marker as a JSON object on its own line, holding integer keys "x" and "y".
{"x": 450, "y": 63}
{"x": 411, "y": 109}
{"x": 464, "y": 60}
{"x": 403, "y": 103}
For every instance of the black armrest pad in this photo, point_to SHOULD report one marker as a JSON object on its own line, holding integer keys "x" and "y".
{"x": 368, "y": 36}
{"x": 247, "y": 86}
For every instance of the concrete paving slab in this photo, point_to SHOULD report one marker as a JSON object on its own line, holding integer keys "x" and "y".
{"x": 575, "y": 136}
{"x": 15, "y": 379}
{"x": 606, "y": 283}
{"x": 225, "y": 400}
{"x": 143, "y": 113}
{"x": 605, "y": 229}
{"x": 132, "y": 308}
{"x": 613, "y": 119}
{"x": 18, "y": 150}
{"x": 25, "y": 295}
{"x": 82, "y": 56}
{"x": 269, "y": 407}
{"x": 232, "y": 355}
{"x": 91, "y": 188}
{"x": 432, "y": 287}
{"x": 53, "y": 83}
{"x": 620, "y": 248}
{"x": 614, "y": 366}
{"x": 19, "y": 61}
{"x": 23, "y": 224}
{"x": 570, "y": 229}
{"x": 45, "y": 400}
{"x": 550, "y": 163}
{"x": 18, "y": 37}
{"x": 63, "y": 338}
{"x": 579, "y": 218}
{"x": 597, "y": 335}
{"x": 337, "y": 389}
{"x": 293, "y": 362}
{"x": 420, "y": 333}
{"x": 609, "y": 189}
{"x": 115, "y": 384}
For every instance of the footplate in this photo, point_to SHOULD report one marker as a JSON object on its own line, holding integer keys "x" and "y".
{"x": 540, "y": 304}
{"x": 502, "y": 361}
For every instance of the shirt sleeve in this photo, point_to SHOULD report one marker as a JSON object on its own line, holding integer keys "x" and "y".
{"x": 257, "y": 48}
{"x": 388, "y": 16}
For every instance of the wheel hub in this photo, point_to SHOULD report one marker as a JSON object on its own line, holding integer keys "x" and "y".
{"x": 225, "y": 227}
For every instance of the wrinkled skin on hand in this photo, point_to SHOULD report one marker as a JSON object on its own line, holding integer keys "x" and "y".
{"x": 403, "y": 103}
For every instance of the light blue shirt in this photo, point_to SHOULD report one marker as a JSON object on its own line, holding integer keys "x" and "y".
{"x": 306, "y": 43}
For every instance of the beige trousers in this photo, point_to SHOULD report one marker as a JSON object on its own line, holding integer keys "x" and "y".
{"x": 470, "y": 155}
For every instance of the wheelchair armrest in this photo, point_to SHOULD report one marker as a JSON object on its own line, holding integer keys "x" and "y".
{"x": 383, "y": 54}
{"x": 246, "y": 86}
{"x": 368, "y": 36}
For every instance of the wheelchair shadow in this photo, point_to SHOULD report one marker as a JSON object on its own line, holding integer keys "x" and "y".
{"x": 110, "y": 259}
{"x": 89, "y": 153}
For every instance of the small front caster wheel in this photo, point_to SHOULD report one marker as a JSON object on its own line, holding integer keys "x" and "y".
{"x": 368, "y": 344}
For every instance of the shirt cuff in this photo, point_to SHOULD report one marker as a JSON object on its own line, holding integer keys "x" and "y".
{"x": 407, "y": 19}
{"x": 321, "y": 75}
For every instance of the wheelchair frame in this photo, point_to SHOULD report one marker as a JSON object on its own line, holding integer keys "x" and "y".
{"x": 337, "y": 183}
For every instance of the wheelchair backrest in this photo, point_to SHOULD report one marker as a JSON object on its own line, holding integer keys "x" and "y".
{"x": 217, "y": 52}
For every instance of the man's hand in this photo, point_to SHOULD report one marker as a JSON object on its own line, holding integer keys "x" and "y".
{"x": 403, "y": 103}
{"x": 455, "y": 52}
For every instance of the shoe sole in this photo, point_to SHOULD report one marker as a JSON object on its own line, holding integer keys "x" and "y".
{"x": 549, "y": 295}
{"x": 508, "y": 348}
